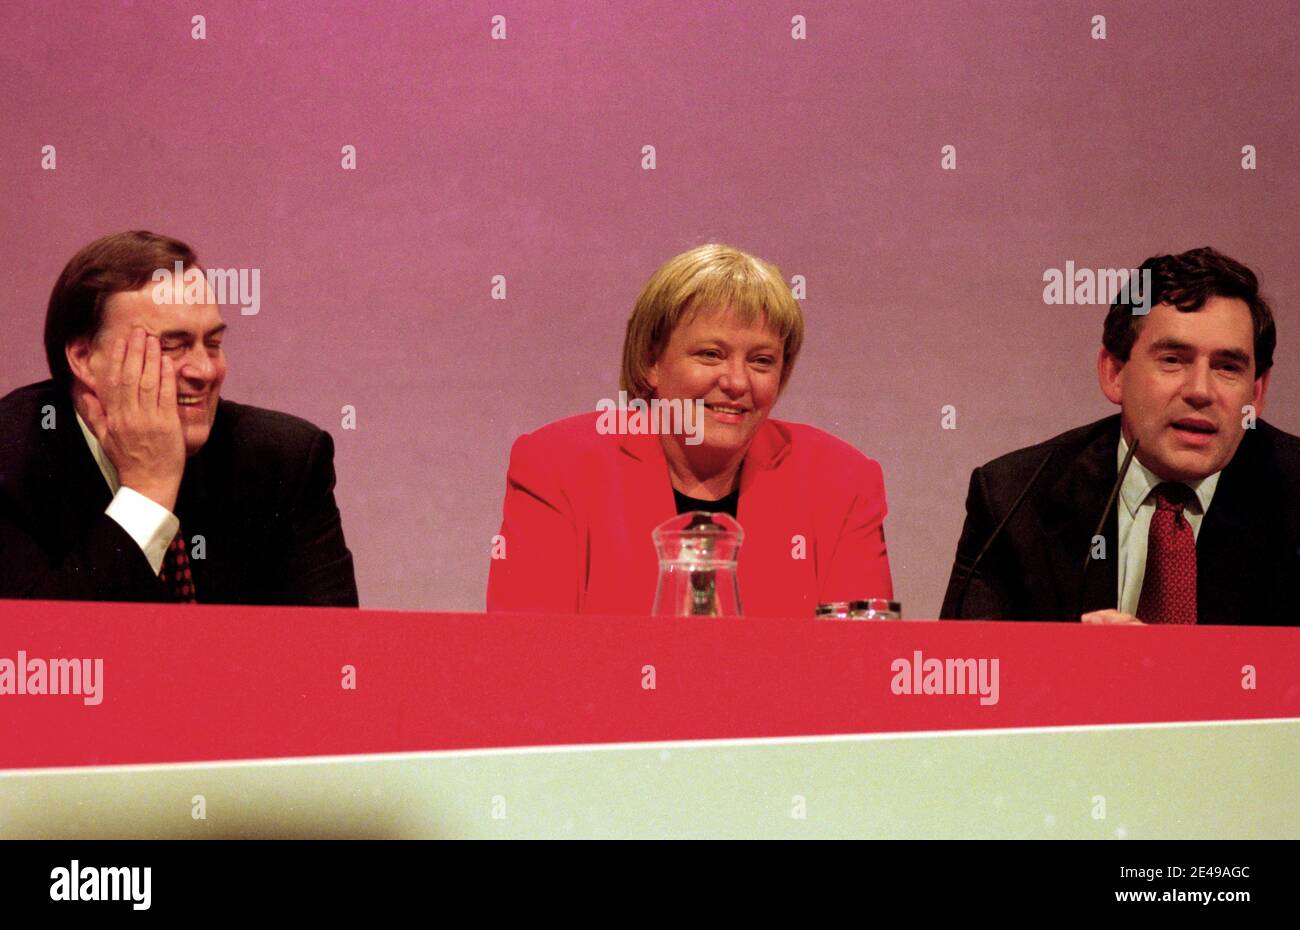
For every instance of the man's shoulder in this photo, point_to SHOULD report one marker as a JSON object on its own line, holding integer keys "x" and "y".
{"x": 28, "y": 417}
{"x": 20, "y": 403}
{"x": 1063, "y": 448}
{"x": 258, "y": 430}
{"x": 1282, "y": 446}
{"x": 1083, "y": 453}
{"x": 1268, "y": 463}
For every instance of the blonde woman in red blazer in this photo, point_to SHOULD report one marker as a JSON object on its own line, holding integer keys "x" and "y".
{"x": 720, "y": 327}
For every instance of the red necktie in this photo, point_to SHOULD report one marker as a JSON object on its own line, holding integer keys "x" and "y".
{"x": 176, "y": 570}
{"x": 1169, "y": 587}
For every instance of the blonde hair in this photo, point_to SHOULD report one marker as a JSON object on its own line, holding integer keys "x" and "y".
{"x": 708, "y": 277}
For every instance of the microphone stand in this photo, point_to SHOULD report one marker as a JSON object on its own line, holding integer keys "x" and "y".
{"x": 1101, "y": 524}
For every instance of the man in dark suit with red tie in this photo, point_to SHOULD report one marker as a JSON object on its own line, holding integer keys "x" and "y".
{"x": 126, "y": 477}
{"x": 1184, "y": 508}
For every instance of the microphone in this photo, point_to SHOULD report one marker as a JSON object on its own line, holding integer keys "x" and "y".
{"x": 970, "y": 573}
{"x": 1101, "y": 524}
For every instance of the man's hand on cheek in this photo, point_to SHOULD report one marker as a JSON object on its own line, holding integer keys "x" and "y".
{"x": 135, "y": 418}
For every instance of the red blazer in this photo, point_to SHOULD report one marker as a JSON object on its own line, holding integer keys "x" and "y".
{"x": 580, "y": 507}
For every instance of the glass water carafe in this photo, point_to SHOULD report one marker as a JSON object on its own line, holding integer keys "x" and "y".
{"x": 697, "y": 565}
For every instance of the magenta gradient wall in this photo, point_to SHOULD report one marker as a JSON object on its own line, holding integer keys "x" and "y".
{"x": 522, "y": 157}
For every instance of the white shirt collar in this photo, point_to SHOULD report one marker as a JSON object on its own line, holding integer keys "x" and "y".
{"x": 1140, "y": 480}
{"x": 106, "y": 468}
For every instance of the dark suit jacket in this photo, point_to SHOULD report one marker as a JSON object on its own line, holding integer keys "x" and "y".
{"x": 260, "y": 492}
{"x": 1247, "y": 551}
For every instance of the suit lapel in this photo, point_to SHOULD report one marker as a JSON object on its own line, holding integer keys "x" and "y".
{"x": 1232, "y": 566}
{"x": 76, "y": 492}
{"x": 1074, "y": 505}
{"x": 765, "y": 514}
{"x": 648, "y": 498}
{"x": 194, "y": 510}
{"x": 78, "y": 484}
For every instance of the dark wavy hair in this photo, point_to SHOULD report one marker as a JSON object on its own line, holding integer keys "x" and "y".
{"x": 124, "y": 261}
{"x": 1187, "y": 281}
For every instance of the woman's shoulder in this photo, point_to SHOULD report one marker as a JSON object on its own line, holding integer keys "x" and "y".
{"x": 570, "y": 438}
{"x": 569, "y": 429}
{"x": 823, "y": 450}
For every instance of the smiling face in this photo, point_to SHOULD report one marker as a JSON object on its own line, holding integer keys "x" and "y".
{"x": 191, "y": 334}
{"x": 734, "y": 369}
{"x": 1184, "y": 385}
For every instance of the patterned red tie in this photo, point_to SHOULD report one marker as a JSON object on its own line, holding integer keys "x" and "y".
{"x": 176, "y": 570}
{"x": 1169, "y": 588}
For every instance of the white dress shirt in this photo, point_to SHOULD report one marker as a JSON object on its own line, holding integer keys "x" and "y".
{"x": 150, "y": 524}
{"x": 1137, "y": 508}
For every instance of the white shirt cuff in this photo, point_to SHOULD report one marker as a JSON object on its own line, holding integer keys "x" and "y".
{"x": 150, "y": 524}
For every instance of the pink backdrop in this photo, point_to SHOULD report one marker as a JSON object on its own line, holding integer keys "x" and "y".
{"x": 522, "y": 157}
